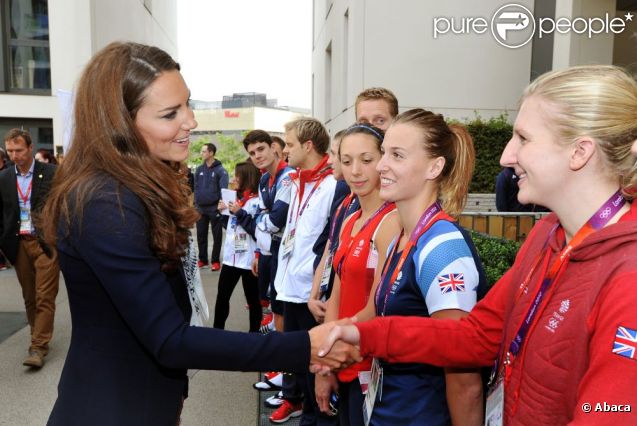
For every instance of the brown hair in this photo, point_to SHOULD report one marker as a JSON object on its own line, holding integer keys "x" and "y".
{"x": 18, "y": 133}
{"x": 47, "y": 155}
{"x": 366, "y": 129}
{"x": 248, "y": 176}
{"x": 378, "y": 93}
{"x": 257, "y": 136}
{"x": 279, "y": 141}
{"x": 106, "y": 144}
{"x": 454, "y": 144}
{"x": 310, "y": 129}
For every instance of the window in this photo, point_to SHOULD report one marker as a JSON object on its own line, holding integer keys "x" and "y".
{"x": 328, "y": 83}
{"x": 41, "y": 130}
{"x": 25, "y": 41}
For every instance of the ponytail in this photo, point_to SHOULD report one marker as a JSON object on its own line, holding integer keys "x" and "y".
{"x": 454, "y": 186}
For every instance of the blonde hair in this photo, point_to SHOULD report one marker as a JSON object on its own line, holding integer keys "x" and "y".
{"x": 599, "y": 101}
{"x": 375, "y": 94}
{"x": 454, "y": 144}
{"x": 310, "y": 129}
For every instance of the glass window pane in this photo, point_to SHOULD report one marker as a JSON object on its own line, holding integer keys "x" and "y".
{"x": 29, "y": 19}
{"x": 30, "y": 67}
{"x": 41, "y": 130}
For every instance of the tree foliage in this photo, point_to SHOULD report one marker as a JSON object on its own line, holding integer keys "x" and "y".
{"x": 229, "y": 151}
{"x": 497, "y": 255}
{"x": 194, "y": 157}
{"x": 489, "y": 138}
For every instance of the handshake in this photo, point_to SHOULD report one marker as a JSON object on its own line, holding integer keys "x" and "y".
{"x": 335, "y": 345}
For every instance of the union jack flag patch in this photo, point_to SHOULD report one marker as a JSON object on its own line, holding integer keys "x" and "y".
{"x": 451, "y": 282}
{"x": 625, "y": 342}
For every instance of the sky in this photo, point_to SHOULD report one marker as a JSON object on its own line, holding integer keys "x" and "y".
{"x": 234, "y": 46}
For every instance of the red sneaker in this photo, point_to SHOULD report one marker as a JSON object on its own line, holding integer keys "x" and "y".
{"x": 215, "y": 266}
{"x": 267, "y": 319}
{"x": 286, "y": 411}
{"x": 201, "y": 264}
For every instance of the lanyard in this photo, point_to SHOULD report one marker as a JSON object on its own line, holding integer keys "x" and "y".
{"x": 428, "y": 218}
{"x": 299, "y": 213}
{"x": 347, "y": 202}
{"x": 24, "y": 197}
{"x": 367, "y": 222}
{"x": 551, "y": 275}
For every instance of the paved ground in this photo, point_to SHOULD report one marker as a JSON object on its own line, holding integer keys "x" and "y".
{"x": 26, "y": 397}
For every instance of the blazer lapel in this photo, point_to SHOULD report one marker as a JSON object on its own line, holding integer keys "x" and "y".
{"x": 13, "y": 188}
{"x": 37, "y": 184}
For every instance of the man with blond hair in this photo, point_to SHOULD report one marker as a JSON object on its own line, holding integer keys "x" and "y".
{"x": 376, "y": 106}
{"x": 313, "y": 186}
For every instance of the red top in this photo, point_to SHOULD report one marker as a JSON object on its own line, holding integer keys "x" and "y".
{"x": 351, "y": 262}
{"x": 579, "y": 354}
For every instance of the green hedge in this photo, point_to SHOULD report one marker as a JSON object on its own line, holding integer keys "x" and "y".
{"x": 489, "y": 138}
{"x": 497, "y": 255}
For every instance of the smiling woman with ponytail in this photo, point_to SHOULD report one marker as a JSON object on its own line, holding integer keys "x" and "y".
{"x": 432, "y": 268}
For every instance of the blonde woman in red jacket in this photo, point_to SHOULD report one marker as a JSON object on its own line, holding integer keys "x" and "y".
{"x": 560, "y": 327}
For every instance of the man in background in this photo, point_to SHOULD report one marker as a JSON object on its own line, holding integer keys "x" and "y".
{"x": 376, "y": 106}
{"x": 210, "y": 177}
{"x": 23, "y": 191}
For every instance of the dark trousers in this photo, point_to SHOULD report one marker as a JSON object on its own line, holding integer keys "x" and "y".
{"x": 265, "y": 268}
{"x": 275, "y": 305}
{"x": 296, "y": 387}
{"x": 228, "y": 279}
{"x": 350, "y": 410}
{"x": 212, "y": 218}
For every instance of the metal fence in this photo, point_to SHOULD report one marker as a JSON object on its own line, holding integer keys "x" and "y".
{"x": 512, "y": 226}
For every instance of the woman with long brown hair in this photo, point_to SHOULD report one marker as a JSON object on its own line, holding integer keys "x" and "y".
{"x": 239, "y": 247}
{"x": 119, "y": 214}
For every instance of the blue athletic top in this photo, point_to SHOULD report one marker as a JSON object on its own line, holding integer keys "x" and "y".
{"x": 442, "y": 272}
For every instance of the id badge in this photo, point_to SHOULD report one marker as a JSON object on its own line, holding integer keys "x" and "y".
{"x": 25, "y": 221}
{"x": 364, "y": 377}
{"x": 495, "y": 406}
{"x": 374, "y": 387}
{"x": 372, "y": 258}
{"x": 241, "y": 243}
{"x": 325, "y": 277}
{"x": 288, "y": 243}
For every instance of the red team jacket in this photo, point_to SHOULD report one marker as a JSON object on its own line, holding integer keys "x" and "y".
{"x": 582, "y": 350}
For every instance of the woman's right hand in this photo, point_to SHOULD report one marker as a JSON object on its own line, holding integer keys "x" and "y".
{"x": 221, "y": 205}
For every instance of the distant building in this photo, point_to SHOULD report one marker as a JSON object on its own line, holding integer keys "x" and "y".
{"x": 242, "y": 112}
{"x": 44, "y": 46}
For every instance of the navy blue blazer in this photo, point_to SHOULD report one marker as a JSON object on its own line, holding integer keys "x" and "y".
{"x": 131, "y": 340}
